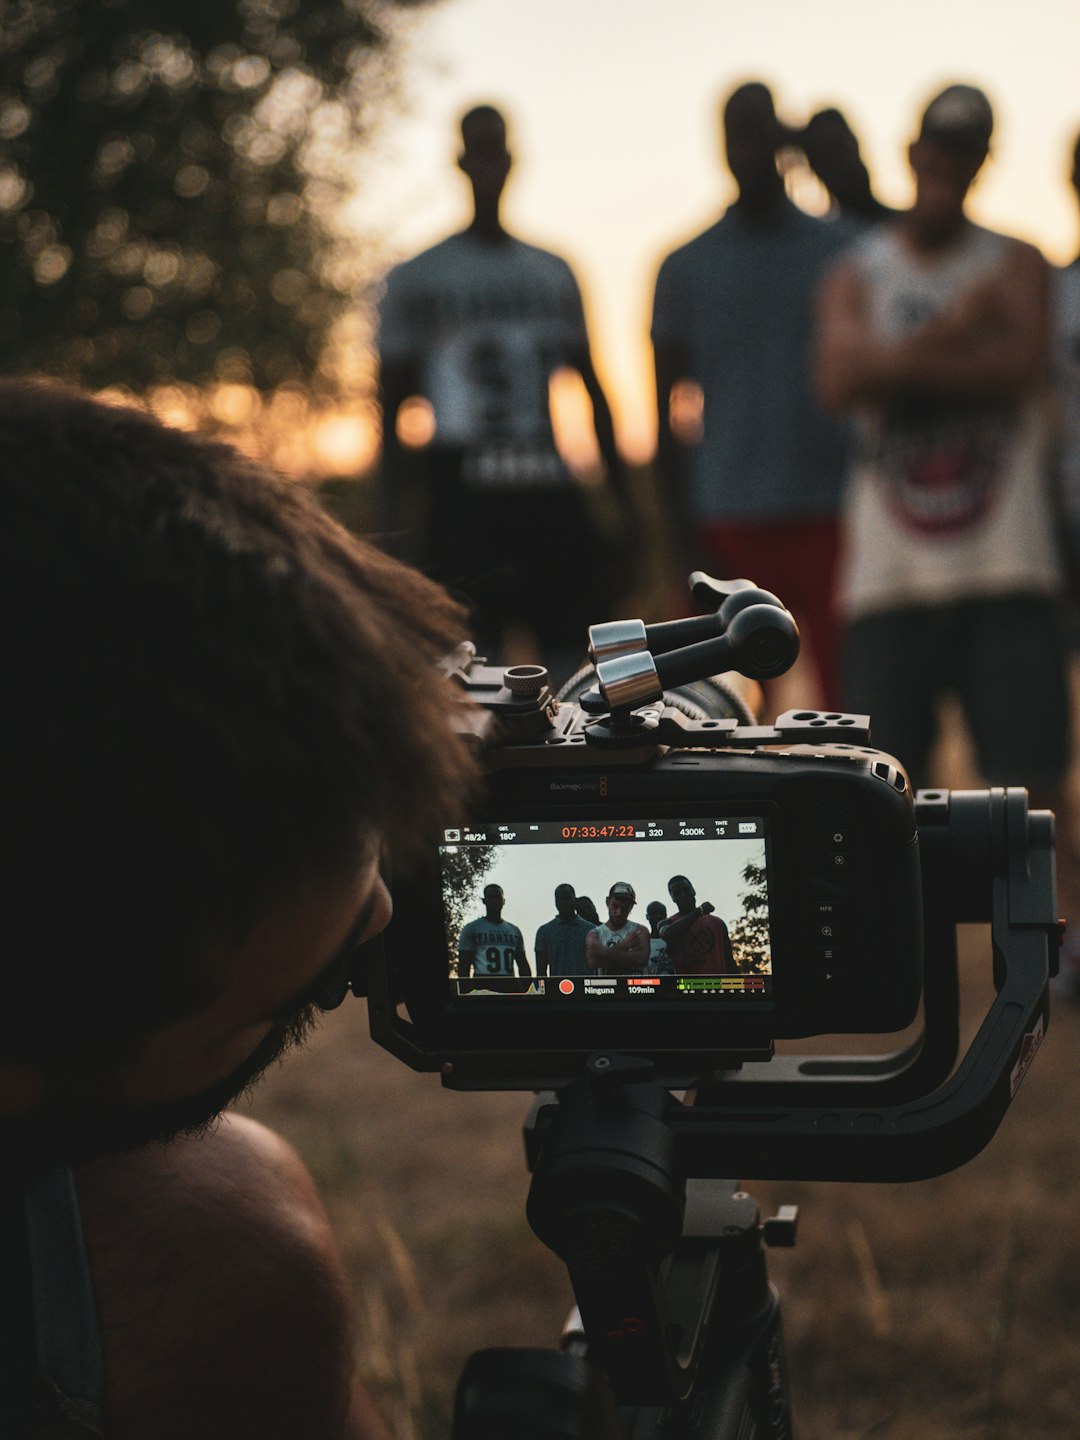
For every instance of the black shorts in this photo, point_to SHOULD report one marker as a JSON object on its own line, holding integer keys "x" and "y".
{"x": 533, "y": 557}
{"x": 1003, "y": 658}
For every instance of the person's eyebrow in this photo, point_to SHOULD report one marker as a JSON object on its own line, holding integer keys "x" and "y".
{"x": 288, "y": 1008}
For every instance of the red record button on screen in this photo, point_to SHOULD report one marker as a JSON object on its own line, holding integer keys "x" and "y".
{"x": 566, "y": 986}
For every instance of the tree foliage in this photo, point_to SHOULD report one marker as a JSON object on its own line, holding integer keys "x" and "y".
{"x": 750, "y": 933}
{"x": 172, "y": 174}
{"x": 464, "y": 869}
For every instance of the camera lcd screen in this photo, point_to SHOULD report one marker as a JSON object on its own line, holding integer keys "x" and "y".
{"x": 580, "y": 911}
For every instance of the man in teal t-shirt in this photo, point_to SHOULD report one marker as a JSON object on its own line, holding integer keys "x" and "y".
{"x": 560, "y": 943}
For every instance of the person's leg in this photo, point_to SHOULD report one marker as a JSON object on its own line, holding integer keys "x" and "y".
{"x": 1011, "y": 679}
{"x": 1014, "y": 688}
{"x": 796, "y": 561}
{"x": 564, "y": 569}
{"x": 895, "y": 670}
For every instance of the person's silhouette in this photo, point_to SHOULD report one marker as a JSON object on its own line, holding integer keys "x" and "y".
{"x": 478, "y": 325}
{"x": 758, "y": 493}
{"x": 832, "y": 151}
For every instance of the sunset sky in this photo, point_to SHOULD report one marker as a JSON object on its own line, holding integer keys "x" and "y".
{"x": 614, "y": 103}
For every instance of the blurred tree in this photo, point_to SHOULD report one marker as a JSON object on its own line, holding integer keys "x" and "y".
{"x": 172, "y": 174}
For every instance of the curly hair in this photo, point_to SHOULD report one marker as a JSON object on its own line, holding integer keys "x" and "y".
{"x": 213, "y": 692}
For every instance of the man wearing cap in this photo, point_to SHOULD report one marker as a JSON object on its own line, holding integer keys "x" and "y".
{"x": 934, "y": 331}
{"x": 621, "y": 946}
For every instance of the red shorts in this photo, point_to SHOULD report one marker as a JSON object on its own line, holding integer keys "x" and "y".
{"x": 796, "y": 560}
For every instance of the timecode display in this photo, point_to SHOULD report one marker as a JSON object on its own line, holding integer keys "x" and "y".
{"x": 597, "y": 832}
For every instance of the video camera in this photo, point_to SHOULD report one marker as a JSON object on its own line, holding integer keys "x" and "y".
{"x": 830, "y": 898}
{"x": 834, "y": 895}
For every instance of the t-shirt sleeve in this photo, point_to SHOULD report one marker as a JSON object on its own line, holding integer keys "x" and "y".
{"x": 669, "y": 317}
{"x": 572, "y": 310}
{"x": 400, "y": 336}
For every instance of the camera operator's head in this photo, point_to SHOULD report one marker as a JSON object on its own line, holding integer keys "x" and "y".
{"x": 221, "y": 709}
{"x": 620, "y": 901}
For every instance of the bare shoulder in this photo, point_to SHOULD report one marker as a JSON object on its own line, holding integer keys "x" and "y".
{"x": 1027, "y": 265}
{"x": 220, "y": 1291}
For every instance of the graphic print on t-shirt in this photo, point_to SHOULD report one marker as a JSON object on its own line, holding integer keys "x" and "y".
{"x": 493, "y": 946}
{"x": 943, "y": 461}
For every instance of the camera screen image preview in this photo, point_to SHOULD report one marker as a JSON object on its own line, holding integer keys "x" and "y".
{"x": 517, "y": 941}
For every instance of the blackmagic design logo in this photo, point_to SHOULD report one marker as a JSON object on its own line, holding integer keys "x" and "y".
{"x": 1031, "y": 1042}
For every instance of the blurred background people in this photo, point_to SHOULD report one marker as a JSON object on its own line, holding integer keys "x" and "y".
{"x": 936, "y": 332}
{"x": 757, "y": 492}
{"x": 1067, "y": 318}
{"x": 832, "y": 151}
{"x": 478, "y": 325}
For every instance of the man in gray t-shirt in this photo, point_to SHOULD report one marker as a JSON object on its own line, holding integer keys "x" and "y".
{"x": 755, "y": 489}
{"x": 560, "y": 943}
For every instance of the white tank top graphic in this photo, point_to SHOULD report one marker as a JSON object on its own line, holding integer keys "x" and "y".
{"x": 950, "y": 497}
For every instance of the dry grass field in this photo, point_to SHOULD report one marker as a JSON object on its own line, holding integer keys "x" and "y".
{"x": 947, "y": 1309}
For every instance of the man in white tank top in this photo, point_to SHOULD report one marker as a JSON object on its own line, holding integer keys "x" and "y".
{"x": 935, "y": 334}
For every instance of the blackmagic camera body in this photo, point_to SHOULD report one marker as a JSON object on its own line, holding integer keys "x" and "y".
{"x": 797, "y": 840}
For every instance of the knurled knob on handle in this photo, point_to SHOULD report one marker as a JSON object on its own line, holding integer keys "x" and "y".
{"x": 525, "y": 681}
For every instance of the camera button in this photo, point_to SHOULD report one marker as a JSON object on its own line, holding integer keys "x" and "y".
{"x": 826, "y": 918}
{"x": 829, "y": 964}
